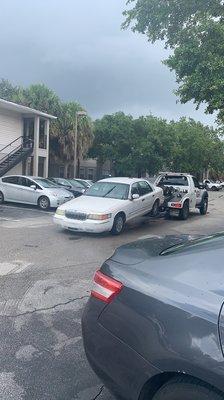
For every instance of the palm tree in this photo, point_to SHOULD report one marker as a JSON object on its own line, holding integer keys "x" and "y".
{"x": 84, "y": 139}
{"x": 63, "y": 136}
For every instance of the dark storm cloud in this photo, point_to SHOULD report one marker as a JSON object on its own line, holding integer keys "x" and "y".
{"x": 78, "y": 49}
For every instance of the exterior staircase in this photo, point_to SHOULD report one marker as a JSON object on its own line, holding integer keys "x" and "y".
{"x": 18, "y": 150}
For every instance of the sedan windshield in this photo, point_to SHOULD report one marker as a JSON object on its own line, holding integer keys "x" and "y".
{"x": 46, "y": 183}
{"x": 174, "y": 180}
{"x": 75, "y": 183}
{"x": 111, "y": 190}
{"x": 80, "y": 182}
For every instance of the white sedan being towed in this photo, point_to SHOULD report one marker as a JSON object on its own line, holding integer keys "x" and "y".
{"x": 108, "y": 204}
{"x": 31, "y": 190}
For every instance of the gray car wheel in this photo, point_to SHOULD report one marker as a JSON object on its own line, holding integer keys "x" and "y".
{"x": 186, "y": 389}
{"x": 1, "y": 198}
{"x": 44, "y": 203}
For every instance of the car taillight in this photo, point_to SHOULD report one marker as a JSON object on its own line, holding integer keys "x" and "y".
{"x": 105, "y": 288}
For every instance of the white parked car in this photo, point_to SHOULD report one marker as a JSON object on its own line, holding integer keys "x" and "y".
{"x": 31, "y": 190}
{"x": 108, "y": 204}
{"x": 212, "y": 185}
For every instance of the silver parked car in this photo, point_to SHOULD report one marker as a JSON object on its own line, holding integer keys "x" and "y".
{"x": 32, "y": 190}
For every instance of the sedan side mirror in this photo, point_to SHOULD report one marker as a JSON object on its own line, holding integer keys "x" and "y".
{"x": 33, "y": 187}
{"x": 135, "y": 196}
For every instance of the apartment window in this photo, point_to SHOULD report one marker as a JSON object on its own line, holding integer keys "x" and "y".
{"x": 42, "y": 135}
{"x": 90, "y": 173}
{"x": 82, "y": 173}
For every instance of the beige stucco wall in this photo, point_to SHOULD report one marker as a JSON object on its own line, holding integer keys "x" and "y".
{"x": 17, "y": 170}
{"x": 11, "y": 127}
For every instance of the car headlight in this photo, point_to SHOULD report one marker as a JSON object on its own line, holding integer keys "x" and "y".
{"x": 99, "y": 217}
{"x": 60, "y": 212}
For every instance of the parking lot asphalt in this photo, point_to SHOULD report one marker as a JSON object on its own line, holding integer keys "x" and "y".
{"x": 45, "y": 280}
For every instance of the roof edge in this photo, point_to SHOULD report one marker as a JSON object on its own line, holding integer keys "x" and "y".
{"x": 24, "y": 109}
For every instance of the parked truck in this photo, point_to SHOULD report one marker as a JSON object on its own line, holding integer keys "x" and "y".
{"x": 182, "y": 193}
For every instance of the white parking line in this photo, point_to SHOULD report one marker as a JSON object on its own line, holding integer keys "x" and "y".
{"x": 14, "y": 267}
{"x": 26, "y": 223}
{"x": 5, "y": 206}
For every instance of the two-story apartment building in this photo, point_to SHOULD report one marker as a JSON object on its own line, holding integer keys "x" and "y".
{"x": 24, "y": 140}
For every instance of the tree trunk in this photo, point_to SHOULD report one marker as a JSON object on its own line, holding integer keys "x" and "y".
{"x": 66, "y": 170}
{"x": 78, "y": 167}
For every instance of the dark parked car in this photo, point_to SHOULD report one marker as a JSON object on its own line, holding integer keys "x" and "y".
{"x": 71, "y": 185}
{"x": 154, "y": 325}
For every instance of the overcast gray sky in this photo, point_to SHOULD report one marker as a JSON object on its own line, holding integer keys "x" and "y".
{"x": 76, "y": 47}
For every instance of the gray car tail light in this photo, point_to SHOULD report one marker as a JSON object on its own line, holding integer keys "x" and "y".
{"x": 105, "y": 288}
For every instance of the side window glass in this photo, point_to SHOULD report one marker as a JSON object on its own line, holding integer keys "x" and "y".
{"x": 135, "y": 189}
{"x": 196, "y": 183}
{"x": 29, "y": 182}
{"x": 11, "y": 179}
{"x": 145, "y": 188}
{"x": 22, "y": 181}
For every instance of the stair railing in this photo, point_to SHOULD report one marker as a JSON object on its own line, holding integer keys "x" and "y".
{"x": 27, "y": 143}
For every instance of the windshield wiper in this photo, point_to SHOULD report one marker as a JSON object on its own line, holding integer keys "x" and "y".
{"x": 109, "y": 191}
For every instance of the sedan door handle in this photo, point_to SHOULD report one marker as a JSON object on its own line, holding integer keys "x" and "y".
{"x": 143, "y": 199}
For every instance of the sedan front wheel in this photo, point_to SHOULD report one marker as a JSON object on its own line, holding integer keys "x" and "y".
{"x": 44, "y": 203}
{"x": 118, "y": 225}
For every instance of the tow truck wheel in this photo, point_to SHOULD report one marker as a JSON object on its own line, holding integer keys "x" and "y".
{"x": 204, "y": 206}
{"x": 184, "y": 212}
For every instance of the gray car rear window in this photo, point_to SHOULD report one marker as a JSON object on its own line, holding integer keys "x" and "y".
{"x": 213, "y": 242}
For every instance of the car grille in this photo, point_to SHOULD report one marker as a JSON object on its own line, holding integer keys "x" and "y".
{"x": 76, "y": 215}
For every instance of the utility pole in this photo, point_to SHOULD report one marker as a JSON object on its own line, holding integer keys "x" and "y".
{"x": 77, "y": 114}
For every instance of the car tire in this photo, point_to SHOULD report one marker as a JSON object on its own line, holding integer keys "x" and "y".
{"x": 118, "y": 225}
{"x": 184, "y": 212}
{"x": 44, "y": 203}
{"x": 214, "y": 188}
{"x": 1, "y": 198}
{"x": 155, "y": 209}
{"x": 186, "y": 389}
{"x": 204, "y": 206}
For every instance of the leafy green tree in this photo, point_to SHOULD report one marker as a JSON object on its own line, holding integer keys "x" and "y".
{"x": 194, "y": 30}
{"x": 113, "y": 140}
{"x": 149, "y": 144}
{"x": 196, "y": 147}
{"x": 7, "y": 90}
{"x": 134, "y": 146}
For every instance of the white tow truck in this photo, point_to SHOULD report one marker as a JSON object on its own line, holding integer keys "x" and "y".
{"x": 182, "y": 193}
